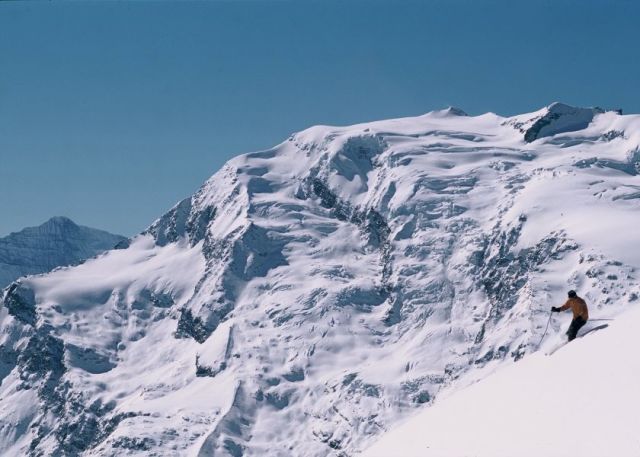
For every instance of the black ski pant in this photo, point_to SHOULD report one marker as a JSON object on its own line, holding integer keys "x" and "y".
{"x": 576, "y": 325}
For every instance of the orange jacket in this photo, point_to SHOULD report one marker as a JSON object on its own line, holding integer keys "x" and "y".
{"x": 578, "y": 306}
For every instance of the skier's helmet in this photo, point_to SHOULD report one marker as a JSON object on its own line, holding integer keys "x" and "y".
{"x": 572, "y": 294}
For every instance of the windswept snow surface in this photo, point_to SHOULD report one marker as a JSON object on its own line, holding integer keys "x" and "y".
{"x": 581, "y": 401}
{"x": 309, "y": 297}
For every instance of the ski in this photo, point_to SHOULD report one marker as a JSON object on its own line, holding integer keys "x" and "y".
{"x": 564, "y": 343}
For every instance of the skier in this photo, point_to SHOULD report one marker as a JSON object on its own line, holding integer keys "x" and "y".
{"x": 580, "y": 313}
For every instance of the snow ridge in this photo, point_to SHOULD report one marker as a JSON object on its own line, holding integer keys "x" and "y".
{"x": 337, "y": 281}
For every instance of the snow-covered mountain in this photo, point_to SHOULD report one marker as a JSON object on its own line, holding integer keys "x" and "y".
{"x": 309, "y": 297}
{"x": 57, "y": 242}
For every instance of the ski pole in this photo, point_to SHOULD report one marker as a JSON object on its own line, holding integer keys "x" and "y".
{"x": 545, "y": 330}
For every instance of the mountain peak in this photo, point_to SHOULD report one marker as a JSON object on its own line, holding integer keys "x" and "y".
{"x": 561, "y": 109}
{"x": 449, "y": 112}
{"x": 56, "y": 225}
{"x": 555, "y": 118}
{"x": 59, "y": 221}
{"x": 560, "y": 118}
{"x": 57, "y": 242}
{"x": 338, "y": 280}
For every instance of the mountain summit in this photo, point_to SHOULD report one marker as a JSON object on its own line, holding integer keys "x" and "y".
{"x": 310, "y": 296}
{"x": 554, "y": 119}
{"x": 57, "y": 242}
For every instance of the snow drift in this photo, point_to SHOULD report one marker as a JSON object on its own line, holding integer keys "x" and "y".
{"x": 310, "y": 296}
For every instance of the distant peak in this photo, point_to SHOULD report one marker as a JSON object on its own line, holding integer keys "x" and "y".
{"x": 59, "y": 221}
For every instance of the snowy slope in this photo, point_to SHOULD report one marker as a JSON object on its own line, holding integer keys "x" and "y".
{"x": 583, "y": 400}
{"x": 309, "y": 297}
{"x": 57, "y": 242}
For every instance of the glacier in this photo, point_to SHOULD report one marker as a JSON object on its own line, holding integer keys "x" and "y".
{"x": 58, "y": 242}
{"x": 309, "y": 297}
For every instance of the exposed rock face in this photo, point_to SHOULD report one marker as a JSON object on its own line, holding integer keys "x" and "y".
{"x": 310, "y": 296}
{"x": 57, "y": 242}
{"x": 560, "y": 118}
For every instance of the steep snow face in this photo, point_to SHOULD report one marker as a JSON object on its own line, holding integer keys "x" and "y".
{"x": 336, "y": 282}
{"x": 583, "y": 400}
{"x": 57, "y": 242}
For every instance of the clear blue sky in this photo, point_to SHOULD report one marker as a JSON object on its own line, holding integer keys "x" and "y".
{"x": 110, "y": 112}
